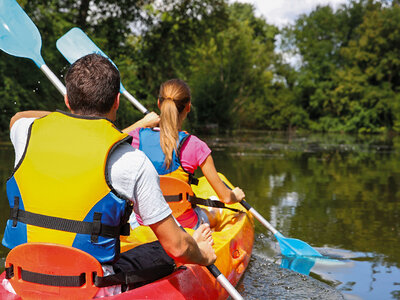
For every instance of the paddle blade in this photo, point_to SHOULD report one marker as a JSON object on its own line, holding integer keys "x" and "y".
{"x": 299, "y": 264}
{"x": 291, "y": 247}
{"x": 76, "y": 44}
{"x": 19, "y": 36}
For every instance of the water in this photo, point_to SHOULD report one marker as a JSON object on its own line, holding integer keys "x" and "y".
{"x": 338, "y": 193}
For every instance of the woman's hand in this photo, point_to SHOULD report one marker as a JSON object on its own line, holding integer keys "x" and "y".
{"x": 238, "y": 193}
{"x": 150, "y": 120}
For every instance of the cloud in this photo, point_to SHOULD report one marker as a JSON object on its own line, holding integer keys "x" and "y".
{"x": 284, "y": 12}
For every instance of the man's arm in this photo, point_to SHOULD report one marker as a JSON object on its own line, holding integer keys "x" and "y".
{"x": 28, "y": 114}
{"x": 180, "y": 245}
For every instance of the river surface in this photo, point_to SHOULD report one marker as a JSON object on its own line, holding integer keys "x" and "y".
{"x": 339, "y": 193}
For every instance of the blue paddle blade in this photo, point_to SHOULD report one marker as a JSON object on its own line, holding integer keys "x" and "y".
{"x": 299, "y": 264}
{"x": 291, "y": 247}
{"x": 76, "y": 44}
{"x": 19, "y": 36}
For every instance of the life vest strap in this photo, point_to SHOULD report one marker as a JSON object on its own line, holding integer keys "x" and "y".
{"x": 48, "y": 279}
{"x": 82, "y": 227}
{"x": 193, "y": 180}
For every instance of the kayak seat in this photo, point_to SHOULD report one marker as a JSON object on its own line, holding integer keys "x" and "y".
{"x": 177, "y": 193}
{"x": 50, "y": 271}
{"x": 180, "y": 196}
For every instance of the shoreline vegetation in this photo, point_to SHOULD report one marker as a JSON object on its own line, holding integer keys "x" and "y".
{"x": 347, "y": 76}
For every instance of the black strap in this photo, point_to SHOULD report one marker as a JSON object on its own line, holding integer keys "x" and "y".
{"x": 96, "y": 228}
{"x": 53, "y": 280}
{"x": 14, "y": 213}
{"x": 211, "y": 203}
{"x": 173, "y": 198}
{"x": 195, "y": 200}
{"x": 9, "y": 272}
{"x": 134, "y": 277}
{"x": 193, "y": 180}
{"x": 68, "y": 225}
{"x": 47, "y": 279}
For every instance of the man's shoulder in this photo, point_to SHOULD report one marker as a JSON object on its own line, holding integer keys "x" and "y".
{"x": 127, "y": 157}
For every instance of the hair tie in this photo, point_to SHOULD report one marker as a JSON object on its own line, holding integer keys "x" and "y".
{"x": 169, "y": 98}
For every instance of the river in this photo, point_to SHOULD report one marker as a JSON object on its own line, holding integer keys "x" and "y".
{"x": 339, "y": 193}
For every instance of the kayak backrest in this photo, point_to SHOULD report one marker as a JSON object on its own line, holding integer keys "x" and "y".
{"x": 50, "y": 271}
{"x": 176, "y": 192}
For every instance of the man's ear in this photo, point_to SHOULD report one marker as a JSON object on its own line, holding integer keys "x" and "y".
{"x": 188, "y": 107}
{"x": 116, "y": 102}
{"x": 66, "y": 101}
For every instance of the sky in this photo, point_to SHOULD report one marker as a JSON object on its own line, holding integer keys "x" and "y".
{"x": 284, "y": 12}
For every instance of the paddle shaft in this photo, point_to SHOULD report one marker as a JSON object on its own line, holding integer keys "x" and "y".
{"x": 224, "y": 282}
{"x": 258, "y": 216}
{"x": 220, "y": 277}
{"x": 136, "y": 103}
{"x": 54, "y": 79}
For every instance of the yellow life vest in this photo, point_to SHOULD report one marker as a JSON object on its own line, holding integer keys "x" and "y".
{"x": 59, "y": 191}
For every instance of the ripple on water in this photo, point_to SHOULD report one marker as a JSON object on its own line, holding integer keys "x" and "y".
{"x": 266, "y": 280}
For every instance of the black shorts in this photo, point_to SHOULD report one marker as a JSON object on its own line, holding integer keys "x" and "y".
{"x": 147, "y": 263}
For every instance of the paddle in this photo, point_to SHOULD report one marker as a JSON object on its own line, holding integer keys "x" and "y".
{"x": 20, "y": 37}
{"x": 288, "y": 246}
{"x": 75, "y": 44}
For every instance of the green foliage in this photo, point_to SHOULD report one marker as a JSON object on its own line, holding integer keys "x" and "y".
{"x": 347, "y": 79}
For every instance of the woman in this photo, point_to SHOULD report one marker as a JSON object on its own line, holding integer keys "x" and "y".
{"x": 176, "y": 153}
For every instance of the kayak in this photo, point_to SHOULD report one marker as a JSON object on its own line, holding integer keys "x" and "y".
{"x": 233, "y": 242}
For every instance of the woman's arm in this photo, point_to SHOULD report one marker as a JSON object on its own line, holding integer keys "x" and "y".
{"x": 224, "y": 194}
{"x": 149, "y": 120}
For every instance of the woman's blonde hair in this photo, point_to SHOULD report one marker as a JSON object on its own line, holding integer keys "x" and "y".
{"x": 173, "y": 97}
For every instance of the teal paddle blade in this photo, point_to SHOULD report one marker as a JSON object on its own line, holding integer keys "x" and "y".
{"x": 299, "y": 264}
{"x": 19, "y": 36}
{"x": 291, "y": 246}
{"x": 76, "y": 44}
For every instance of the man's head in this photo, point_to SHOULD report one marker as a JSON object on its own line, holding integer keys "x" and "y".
{"x": 92, "y": 86}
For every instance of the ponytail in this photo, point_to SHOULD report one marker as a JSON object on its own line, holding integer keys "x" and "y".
{"x": 173, "y": 97}
{"x": 169, "y": 132}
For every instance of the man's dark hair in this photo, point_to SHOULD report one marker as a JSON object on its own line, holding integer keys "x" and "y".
{"x": 92, "y": 84}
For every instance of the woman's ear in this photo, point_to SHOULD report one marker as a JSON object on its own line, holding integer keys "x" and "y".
{"x": 188, "y": 106}
{"x": 158, "y": 103}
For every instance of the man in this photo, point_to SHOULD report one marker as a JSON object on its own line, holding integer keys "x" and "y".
{"x": 76, "y": 178}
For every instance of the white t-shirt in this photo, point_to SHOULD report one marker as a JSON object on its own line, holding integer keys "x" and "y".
{"x": 132, "y": 175}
